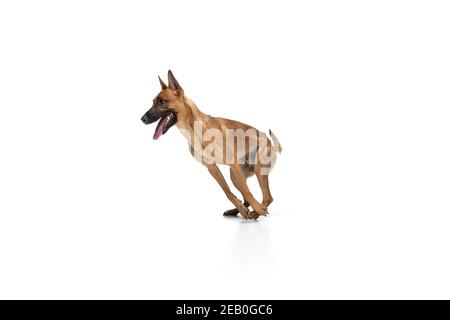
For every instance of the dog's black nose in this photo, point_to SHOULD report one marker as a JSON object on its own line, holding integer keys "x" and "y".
{"x": 144, "y": 119}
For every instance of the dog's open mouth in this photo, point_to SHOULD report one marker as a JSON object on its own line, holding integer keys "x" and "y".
{"x": 164, "y": 124}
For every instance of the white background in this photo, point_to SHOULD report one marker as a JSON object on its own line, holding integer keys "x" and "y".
{"x": 356, "y": 91}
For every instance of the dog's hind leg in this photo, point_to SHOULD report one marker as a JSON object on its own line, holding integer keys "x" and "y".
{"x": 215, "y": 172}
{"x": 263, "y": 180}
{"x": 240, "y": 181}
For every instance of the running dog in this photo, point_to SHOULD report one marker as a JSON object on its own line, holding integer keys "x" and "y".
{"x": 214, "y": 141}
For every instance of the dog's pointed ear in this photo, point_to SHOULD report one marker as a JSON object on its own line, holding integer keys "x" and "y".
{"x": 173, "y": 83}
{"x": 163, "y": 85}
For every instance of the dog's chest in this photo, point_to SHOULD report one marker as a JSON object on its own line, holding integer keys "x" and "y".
{"x": 206, "y": 152}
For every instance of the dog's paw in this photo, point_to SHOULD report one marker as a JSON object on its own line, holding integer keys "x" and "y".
{"x": 252, "y": 215}
{"x": 231, "y": 212}
{"x": 260, "y": 210}
{"x": 243, "y": 210}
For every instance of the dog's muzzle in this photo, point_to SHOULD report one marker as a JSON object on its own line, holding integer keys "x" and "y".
{"x": 145, "y": 119}
{"x": 166, "y": 120}
{"x": 148, "y": 117}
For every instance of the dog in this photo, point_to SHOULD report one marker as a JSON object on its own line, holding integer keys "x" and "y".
{"x": 215, "y": 141}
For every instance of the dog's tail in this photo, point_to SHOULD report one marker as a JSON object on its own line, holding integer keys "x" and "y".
{"x": 276, "y": 143}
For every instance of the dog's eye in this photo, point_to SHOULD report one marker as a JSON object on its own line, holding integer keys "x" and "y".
{"x": 161, "y": 102}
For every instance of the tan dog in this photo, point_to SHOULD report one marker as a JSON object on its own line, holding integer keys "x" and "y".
{"x": 215, "y": 141}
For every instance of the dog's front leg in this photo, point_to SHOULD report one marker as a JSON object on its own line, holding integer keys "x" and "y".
{"x": 215, "y": 172}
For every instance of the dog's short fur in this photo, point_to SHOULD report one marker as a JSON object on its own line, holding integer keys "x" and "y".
{"x": 173, "y": 107}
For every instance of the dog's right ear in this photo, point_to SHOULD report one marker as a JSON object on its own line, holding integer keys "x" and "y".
{"x": 173, "y": 83}
{"x": 163, "y": 85}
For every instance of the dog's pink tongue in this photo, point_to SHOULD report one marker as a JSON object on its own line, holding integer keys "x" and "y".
{"x": 159, "y": 130}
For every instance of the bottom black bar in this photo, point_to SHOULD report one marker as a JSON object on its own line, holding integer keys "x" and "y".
{"x": 223, "y": 309}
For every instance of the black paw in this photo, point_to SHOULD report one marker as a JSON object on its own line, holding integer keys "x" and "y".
{"x": 231, "y": 212}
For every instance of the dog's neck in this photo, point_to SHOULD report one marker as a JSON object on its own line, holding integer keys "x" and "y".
{"x": 191, "y": 115}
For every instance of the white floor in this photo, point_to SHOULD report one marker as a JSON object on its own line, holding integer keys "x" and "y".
{"x": 129, "y": 235}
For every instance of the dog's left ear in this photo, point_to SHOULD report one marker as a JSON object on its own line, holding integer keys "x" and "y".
{"x": 173, "y": 83}
{"x": 163, "y": 85}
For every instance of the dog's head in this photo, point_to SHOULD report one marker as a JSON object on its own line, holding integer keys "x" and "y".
{"x": 166, "y": 105}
